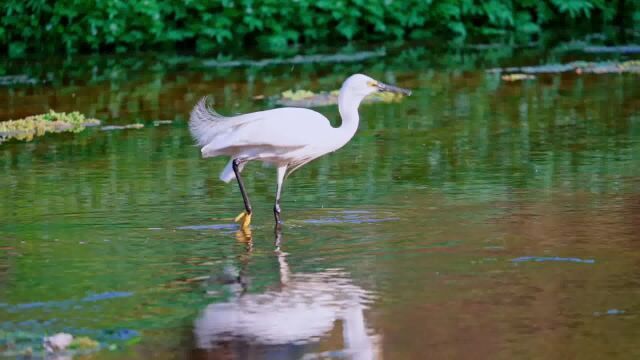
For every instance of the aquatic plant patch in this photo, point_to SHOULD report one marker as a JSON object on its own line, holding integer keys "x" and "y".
{"x": 306, "y": 98}
{"x": 620, "y": 49}
{"x": 297, "y": 60}
{"x": 122, "y": 127}
{"x": 552, "y": 258}
{"x": 579, "y": 67}
{"x": 11, "y": 80}
{"x": 38, "y": 125}
{"x": 517, "y": 77}
{"x": 33, "y": 339}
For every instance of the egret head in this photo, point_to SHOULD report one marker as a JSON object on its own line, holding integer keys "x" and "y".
{"x": 362, "y": 85}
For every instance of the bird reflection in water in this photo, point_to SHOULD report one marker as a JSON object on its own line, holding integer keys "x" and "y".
{"x": 290, "y": 321}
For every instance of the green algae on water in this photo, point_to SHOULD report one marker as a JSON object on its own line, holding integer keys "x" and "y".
{"x": 306, "y": 98}
{"x": 38, "y": 125}
{"x": 578, "y": 67}
{"x": 84, "y": 343}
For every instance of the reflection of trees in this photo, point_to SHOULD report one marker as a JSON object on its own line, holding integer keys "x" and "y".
{"x": 161, "y": 86}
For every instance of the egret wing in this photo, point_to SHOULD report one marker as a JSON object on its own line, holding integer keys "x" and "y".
{"x": 284, "y": 127}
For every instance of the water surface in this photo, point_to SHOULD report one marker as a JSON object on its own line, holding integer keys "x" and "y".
{"x": 475, "y": 219}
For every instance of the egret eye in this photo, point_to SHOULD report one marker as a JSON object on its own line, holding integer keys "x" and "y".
{"x": 372, "y": 83}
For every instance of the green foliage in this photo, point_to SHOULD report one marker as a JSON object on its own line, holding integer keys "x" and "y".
{"x": 119, "y": 25}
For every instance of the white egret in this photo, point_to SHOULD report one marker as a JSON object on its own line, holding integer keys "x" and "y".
{"x": 285, "y": 137}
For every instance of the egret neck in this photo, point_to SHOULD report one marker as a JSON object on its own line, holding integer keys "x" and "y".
{"x": 348, "y": 103}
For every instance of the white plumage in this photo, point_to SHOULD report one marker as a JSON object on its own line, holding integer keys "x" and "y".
{"x": 286, "y": 137}
{"x": 279, "y": 136}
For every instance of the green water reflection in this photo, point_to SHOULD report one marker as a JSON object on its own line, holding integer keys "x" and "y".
{"x": 424, "y": 210}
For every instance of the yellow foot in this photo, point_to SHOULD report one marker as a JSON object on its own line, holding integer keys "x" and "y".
{"x": 244, "y": 236}
{"x": 244, "y": 219}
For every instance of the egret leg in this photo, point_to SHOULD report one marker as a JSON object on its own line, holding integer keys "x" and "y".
{"x": 282, "y": 170}
{"x": 245, "y": 217}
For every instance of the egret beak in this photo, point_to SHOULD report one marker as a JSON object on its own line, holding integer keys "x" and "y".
{"x": 394, "y": 89}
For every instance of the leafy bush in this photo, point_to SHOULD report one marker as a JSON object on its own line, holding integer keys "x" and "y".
{"x": 122, "y": 25}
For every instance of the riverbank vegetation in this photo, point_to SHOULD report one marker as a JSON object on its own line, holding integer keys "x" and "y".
{"x": 121, "y": 26}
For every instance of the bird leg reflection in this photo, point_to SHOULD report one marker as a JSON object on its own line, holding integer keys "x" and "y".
{"x": 245, "y": 237}
{"x": 277, "y": 230}
{"x": 292, "y": 317}
{"x": 243, "y": 218}
{"x": 282, "y": 257}
{"x": 276, "y": 212}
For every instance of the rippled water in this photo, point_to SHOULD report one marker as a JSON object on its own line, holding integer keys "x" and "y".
{"x": 475, "y": 219}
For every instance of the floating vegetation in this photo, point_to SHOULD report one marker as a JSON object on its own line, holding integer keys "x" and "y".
{"x": 162, "y": 122}
{"x": 552, "y": 258}
{"x": 621, "y": 49}
{"x": 298, "y": 94}
{"x": 33, "y": 339}
{"x": 517, "y": 77}
{"x": 306, "y": 98}
{"x": 84, "y": 343}
{"x": 498, "y": 46}
{"x": 135, "y": 125}
{"x": 579, "y": 67}
{"x": 9, "y": 80}
{"x": 122, "y": 127}
{"x": 38, "y": 125}
{"x": 298, "y": 59}
{"x": 609, "y": 312}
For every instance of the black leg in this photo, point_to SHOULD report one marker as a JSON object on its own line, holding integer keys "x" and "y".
{"x": 282, "y": 170}
{"x": 247, "y": 205}
{"x": 276, "y": 212}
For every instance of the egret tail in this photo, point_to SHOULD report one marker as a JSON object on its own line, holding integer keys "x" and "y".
{"x": 204, "y": 123}
{"x": 227, "y": 173}
{"x": 212, "y": 131}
